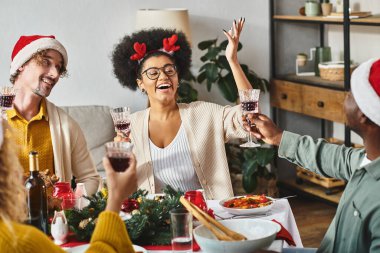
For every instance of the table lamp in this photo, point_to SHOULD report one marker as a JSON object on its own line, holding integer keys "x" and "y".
{"x": 164, "y": 18}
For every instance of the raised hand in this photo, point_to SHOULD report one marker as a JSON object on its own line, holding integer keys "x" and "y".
{"x": 233, "y": 36}
{"x": 120, "y": 184}
{"x": 263, "y": 128}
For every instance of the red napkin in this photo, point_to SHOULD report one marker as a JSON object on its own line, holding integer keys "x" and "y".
{"x": 72, "y": 241}
{"x": 284, "y": 235}
{"x": 169, "y": 247}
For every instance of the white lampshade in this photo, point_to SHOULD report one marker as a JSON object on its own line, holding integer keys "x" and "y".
{"x": 164, "y": 18}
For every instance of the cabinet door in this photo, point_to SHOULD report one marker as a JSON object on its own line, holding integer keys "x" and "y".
{"x": 323, "y": 103}
{"x": 313, "y": 101}
{"x": 285, "y": 95}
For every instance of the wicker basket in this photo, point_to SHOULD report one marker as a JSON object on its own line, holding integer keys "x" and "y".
{"x": 333, "y": 71}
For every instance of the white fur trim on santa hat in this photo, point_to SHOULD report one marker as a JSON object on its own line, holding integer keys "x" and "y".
{"x": 363, "y": 92}
{"x": 38, "y": 45}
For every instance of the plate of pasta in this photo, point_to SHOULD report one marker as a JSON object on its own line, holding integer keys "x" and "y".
{"x": 247, "y": 204}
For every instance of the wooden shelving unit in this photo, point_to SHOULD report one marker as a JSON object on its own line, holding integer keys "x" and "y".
{"x": 313, "y": 80}
{"x": 375, "y": 20}
{"x": 295, "y": 98}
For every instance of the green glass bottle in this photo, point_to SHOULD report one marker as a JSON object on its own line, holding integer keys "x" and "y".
{"x": 36, "y": 196}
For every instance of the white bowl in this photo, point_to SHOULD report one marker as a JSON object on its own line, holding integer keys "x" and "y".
{"x": 260, "y": 234}
{"x": 248, "y": 211}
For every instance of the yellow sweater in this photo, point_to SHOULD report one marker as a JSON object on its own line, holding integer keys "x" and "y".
{"x": 110, "y": 235}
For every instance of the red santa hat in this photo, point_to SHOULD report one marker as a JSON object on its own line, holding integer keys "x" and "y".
{"x": 27, "y": 46}
{"x": 365, "y": 87}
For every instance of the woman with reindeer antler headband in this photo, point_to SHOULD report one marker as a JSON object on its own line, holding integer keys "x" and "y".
{"x": 181, "y": 145}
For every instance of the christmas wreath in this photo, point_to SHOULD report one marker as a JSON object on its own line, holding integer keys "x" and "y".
{"x": 150, "y": 218}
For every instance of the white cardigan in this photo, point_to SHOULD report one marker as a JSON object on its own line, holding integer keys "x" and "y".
{"x": 208, "y": 127}
{"x": 71, "y": 155}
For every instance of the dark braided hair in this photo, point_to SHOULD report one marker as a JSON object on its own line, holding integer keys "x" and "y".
{"x": 127, "y": 70}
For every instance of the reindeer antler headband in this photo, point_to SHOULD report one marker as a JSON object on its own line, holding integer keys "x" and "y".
{"x": 134, "y": 49}
{"x": 168, "y": 46}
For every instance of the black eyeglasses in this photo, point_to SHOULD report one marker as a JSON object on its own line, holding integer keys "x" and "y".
{"x": 154, "y": 73}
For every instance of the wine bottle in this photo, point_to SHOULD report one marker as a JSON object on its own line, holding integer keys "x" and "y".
{"x": 36, "y": 196}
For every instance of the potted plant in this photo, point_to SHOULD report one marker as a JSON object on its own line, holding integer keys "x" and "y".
{"x": 250, "y": 168}
{"x": 312, "y": 8}
{"x": 217, "y": 70}
{"x": 186, "y": 92}
{"x": 301, "y": 59}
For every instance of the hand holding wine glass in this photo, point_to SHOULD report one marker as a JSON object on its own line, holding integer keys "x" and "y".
{"x": 120, "y": 116}
{"x": 7, "y": 95}
{"x": 249, "y": 100}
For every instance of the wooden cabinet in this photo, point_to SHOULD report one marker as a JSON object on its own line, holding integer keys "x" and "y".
{"x": 313, "y": 101}
{"x": 306, "y": 103}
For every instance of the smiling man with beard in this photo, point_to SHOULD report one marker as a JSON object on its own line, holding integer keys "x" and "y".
{"x": 37, "y": 64}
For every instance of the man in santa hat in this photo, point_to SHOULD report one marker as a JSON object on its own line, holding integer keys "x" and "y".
{"x": 37, "y": 64}
{"x": 356, "y": 225}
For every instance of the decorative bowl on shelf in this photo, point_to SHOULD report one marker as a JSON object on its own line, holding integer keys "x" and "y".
{"x": 333, "y": 70}
{"x": 259, "y": 233}
{"x": 247, "y": 205}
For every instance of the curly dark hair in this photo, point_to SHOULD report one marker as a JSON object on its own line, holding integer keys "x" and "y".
{"x": 127, "y": 70}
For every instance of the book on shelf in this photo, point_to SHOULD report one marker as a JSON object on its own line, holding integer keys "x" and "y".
{"x": 354, "y": 14}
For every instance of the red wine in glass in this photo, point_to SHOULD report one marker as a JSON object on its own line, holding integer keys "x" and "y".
{"x": 119, "y": 164}
{"x": 122, "y": 126}
{"x": 249, "y": 106}
{"x": 6, "y": 101}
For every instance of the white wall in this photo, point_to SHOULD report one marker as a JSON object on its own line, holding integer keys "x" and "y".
{"x": 365, "y": 44}
{"x": 89, "y": 29}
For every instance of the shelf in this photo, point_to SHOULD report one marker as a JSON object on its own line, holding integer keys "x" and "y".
{"x": 312, "y": 189}
{"x": 313, "y": 80}
{"x": 372, "y": 20}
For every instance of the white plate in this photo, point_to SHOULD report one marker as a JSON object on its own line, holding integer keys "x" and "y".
{"x": 83, "y": 248}
{"x": 239, "y": 211}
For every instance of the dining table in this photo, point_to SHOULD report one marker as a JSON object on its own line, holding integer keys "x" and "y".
{"x": 280, "y": 211}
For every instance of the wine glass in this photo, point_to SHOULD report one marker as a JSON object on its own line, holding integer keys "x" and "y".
{"x": 7, "y": 95}
{"x": 249, "y": 100}
{"x": 120, "y": 116}
{"x": 119, "y": 154}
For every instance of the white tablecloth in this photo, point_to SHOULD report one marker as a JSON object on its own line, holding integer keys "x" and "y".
{"x": 280, "y": 211}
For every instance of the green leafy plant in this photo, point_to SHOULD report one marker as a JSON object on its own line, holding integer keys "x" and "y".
{"x": 148, "y": 225}
{"x": 186, "y": 92}
{"x": 252, "y": 162}
{"x": 217, "y": 70}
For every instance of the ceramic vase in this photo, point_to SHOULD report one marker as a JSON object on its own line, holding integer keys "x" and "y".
{"x": 63, "y": 191}
{"x": 59, "y": 228}
{"x": 326, "y": 8}
{"x": 80, "y": 194}
{"x": 312, "y": 9}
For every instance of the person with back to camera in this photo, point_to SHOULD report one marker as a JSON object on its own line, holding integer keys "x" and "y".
{"x": 356, "y": 225}
{"x": 110, "y": 234}
{"x": 181, "y": 145}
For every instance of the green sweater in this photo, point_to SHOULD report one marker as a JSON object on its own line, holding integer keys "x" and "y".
{"x": 110, "y": 235}
{"x": 356, "y": 225}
